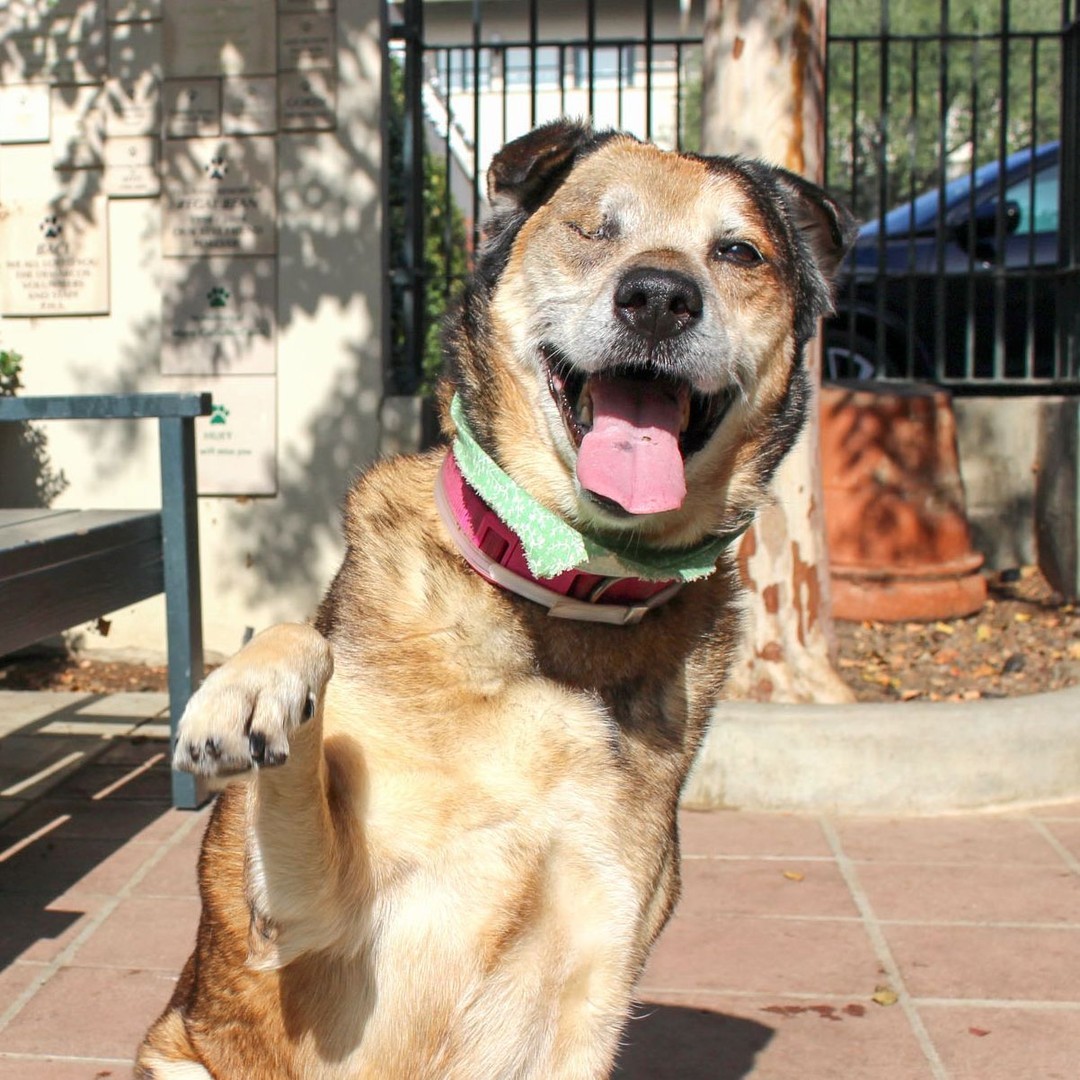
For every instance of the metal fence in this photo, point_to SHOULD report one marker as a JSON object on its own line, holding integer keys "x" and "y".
{"x": 477, "y": 74}
{"x": 951, "y": 129}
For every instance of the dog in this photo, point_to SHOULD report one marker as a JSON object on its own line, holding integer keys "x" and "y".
{"x": 447, "y": 835}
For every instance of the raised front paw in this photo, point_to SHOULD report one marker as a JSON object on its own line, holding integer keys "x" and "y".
{"x": 246, "y": 712}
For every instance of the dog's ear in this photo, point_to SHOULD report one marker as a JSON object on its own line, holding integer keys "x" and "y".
{"x": 521, "y": 178}
{"x": 526, "y": 171}
{"x": 826, "y": 225}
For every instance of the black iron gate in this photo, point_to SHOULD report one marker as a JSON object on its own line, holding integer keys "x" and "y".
{"x": 1069, "y": 324}
{"x": 952, "y": 130}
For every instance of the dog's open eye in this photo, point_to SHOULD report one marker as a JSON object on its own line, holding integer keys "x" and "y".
{"x": 739, "y": 252}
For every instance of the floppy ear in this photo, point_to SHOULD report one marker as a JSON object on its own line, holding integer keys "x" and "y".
{"x": 827, "y": 227}
{"x": 521, "y": 178}
{"x": 526, "y": 171}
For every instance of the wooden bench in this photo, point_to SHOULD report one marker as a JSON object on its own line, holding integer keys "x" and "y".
{"x": 59, "y": 568}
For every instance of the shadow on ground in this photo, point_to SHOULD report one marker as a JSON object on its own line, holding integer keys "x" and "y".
{"x": 61, "y": 854}
{"x": 674, "y": 1042}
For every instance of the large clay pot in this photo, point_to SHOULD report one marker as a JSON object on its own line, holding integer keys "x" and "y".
{"x": 898, "y": 538}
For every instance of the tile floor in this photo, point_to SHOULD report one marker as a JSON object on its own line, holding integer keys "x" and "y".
{"x": 787, "y": 928}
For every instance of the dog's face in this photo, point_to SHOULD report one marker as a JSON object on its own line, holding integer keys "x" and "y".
{"x": 638, "y": 327}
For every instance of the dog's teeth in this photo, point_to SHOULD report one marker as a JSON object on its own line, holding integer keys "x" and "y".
{"x": 685, "y": 415}
{"x": 584, "y": 408}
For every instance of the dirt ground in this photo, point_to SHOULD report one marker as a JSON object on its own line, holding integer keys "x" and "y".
{"x": 1024, "y": 641}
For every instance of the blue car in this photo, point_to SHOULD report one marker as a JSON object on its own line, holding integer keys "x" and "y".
{"x": 958, "y": 285}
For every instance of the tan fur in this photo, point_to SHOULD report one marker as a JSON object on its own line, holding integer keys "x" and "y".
{"x": 458, "y": 871}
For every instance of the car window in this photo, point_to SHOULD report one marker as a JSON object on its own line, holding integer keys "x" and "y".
{"x": 1038, "y": 202}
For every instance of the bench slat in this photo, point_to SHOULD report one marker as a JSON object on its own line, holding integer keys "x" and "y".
{"x": 10, "y": 518}
{"x": 60, "y": 535}
{"x": 104, "y": 406}
{"x": 45, "y": 601}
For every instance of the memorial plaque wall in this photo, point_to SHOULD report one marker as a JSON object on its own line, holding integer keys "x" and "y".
{"x": 181, "y": 101}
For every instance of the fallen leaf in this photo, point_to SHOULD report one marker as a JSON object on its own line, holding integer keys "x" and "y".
{"x": 794, "y": 875}
{"x": 971, "y": 695}
{"x": 946, "y": 656}
{"x": 884, "y": 995}
{"x": 978, "y": 1031}
{"x": 1074, "y": 651}
{"x": 1022, "y": 616}
{"x": 944, "y": 628}
{"x": 984, "y": 671}
{"x": 909, "y": 695}
{"x": 983, "y": 632}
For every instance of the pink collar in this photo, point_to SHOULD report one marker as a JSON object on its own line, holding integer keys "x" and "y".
{"x": 493, "y": 550}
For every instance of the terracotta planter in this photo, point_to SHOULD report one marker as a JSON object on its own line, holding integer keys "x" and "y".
{"x": 898, "y": 537}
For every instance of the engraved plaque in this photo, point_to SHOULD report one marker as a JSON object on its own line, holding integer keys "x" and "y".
{"x": 133, "y": 89}
{"x": 236, "y": 445}
{"x": 54, "y": 262}
{"x": 133, "y": 10}
{"x": 78, "y": 126}
{"x": 132, "y": 108}
{"x": 192, "y": 108}
{"x": 220, "y": 37}
{"x": 218, "y": 316}
{"x": 24, "y": 114}
{"x": 306, "y": 41}
{"x": 249, "y": 106}
{"x": 77, "y": 50}
{"x": 308, "y": 101}
{"x": 219, "y": 197}
{"x": 131, "y": 167}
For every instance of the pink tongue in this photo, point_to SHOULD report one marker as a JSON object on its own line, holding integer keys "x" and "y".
{"x": 632, "y": 455}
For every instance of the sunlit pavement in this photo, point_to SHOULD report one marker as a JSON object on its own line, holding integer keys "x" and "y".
{"x": 804, "y": 947}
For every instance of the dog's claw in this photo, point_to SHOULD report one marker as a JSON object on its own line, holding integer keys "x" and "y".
{"x": 257, "y": 746}
{"x": 245, "y": 715}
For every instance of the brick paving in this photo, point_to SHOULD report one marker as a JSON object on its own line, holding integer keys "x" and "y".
{"x": 788, "y": 927}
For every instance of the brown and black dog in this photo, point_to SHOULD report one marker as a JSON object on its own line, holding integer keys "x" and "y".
{"x": 449, "y": 860}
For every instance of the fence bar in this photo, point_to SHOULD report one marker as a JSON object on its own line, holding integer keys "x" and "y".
{"x": 974, "y": 319}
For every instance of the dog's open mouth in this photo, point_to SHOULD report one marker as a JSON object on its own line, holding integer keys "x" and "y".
{"x": 634, "y": 432}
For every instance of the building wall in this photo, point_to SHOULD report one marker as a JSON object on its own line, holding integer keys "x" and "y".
{"x": 267, "y": 557}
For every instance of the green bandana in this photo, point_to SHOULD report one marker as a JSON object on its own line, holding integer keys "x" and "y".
{"x": 551, "y": 546}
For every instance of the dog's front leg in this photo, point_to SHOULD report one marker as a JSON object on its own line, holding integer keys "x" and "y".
{"x": 259, "y": 719}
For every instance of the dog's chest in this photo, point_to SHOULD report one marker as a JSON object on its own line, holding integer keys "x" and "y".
{"x": 502, "y": 862}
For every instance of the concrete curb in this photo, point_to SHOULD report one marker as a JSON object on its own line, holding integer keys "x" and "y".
{"x": 914, "y": 758}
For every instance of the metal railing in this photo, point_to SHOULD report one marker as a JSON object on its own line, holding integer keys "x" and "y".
{"x": 489, "y": 73}
{"x": 949, "y": 134}
{"x": 951, "y": 129}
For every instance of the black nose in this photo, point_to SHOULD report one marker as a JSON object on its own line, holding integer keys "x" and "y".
{"x": 657, "y": 303}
